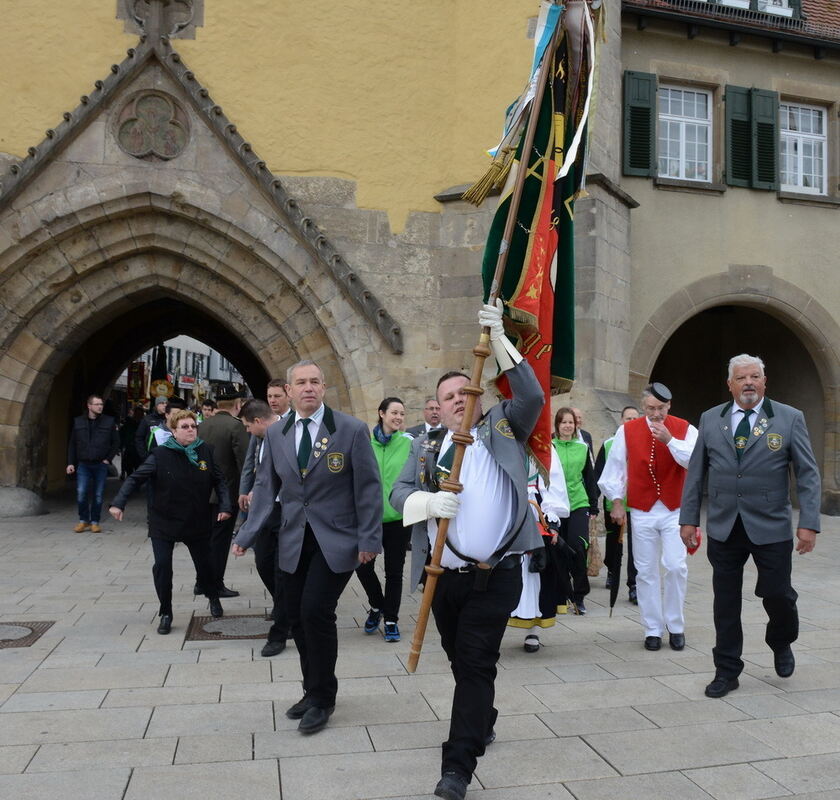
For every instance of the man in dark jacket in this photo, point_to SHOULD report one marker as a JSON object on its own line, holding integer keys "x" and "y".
{"x": 229, "y": 440}
{"x": 144, "y": 439}
{"x": 94, "y": 441}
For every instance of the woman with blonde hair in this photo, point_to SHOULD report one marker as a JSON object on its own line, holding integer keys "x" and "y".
{"x": 181, "y": 474}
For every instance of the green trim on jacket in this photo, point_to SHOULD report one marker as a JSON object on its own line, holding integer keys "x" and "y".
{"x": 390, "y": 458}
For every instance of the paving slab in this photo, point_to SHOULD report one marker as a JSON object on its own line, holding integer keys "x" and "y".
{"x": 656, "y": 786}
{"x": 737, "y": 782}
{"x": 46, "y": 701}
{"x": 97, "y": 784}
{"x": 803, "y": 735}
{"x": 330, "y": 741}
{"x": 540, "y": 761}
{"x": 218, "y": 672}
{"x": 690, "y": 712}
{"x": 210, "y": 749}
{"x": 685, "y": 747}
{"x": 604, "y": 694}
{"x": 60, "y": 680}
{"x": 92, "y": 755}
{"x": 164, "y": 696}
{"x": 14, "y": 758}
{"x": 204, "y": 718}
{"x": 805, "y": 774}
{"x": 220, "y": 781}
{"x": 37, "y": 727}
{"x": 360, "y": 775}
{"x": 596, "y": 720}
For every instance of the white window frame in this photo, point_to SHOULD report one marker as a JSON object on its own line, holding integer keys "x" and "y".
{"x": 735, "y": 3}
{"x": 682, "y": 122}
{"x": 779, "y": 7}
{"x": 785, "y": 134}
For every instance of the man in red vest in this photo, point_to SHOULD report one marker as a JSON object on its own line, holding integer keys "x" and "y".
{"x": 647, "y": 465}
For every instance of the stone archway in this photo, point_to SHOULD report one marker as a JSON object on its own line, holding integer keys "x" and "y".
{"x": 74, "y": 277}
{"x": 753, "y": 294}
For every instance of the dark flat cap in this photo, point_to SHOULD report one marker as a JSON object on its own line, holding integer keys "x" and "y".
{"x": 661, "y": 392}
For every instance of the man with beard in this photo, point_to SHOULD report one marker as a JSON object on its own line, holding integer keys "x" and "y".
{"x": 746, "y": 449}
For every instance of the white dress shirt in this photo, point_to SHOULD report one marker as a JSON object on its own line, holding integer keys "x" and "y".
{"x": 486, "y": 511}
{"x": 737, "y": 415}
{"x": 316, "y": 418}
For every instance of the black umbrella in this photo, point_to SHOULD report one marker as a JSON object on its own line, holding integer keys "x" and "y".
{"x": 614, "y": 567}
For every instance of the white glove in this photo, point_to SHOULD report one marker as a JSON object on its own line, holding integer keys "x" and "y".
{"x": 443, "y": 505}
{"x": 491, "y": 317}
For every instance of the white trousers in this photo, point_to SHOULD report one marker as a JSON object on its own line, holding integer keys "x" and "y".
{"x": 656, "y": 539}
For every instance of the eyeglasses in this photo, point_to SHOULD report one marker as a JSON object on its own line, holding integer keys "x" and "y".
{"x": 187, "y": 427}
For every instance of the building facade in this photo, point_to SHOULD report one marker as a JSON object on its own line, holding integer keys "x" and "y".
{"x": 282, "y": 181}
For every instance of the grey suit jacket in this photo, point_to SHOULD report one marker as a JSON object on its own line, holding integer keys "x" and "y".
{"x": 340, "y": 497}
{"x": 249, "y": 468}
{"x": 758, "y": 486}
{"x": 505, "y": 429}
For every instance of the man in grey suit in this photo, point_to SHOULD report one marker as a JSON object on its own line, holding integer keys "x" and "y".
{"x": 431, "y": 419}
{"x": 746, "y": 448}
{"x": 320, "y": 466}
{"x": 491, "y": 526}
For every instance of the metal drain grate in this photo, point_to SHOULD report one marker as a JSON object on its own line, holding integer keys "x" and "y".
{"x": 247, "y": 626}
{"x": 22, "y": 634}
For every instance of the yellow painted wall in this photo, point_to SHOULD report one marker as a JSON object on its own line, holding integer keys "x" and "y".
{"x": 401, "y": 97}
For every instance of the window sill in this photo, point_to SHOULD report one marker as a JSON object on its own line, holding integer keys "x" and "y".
{"x": 694, "y": 187}
{"x": 808, "y": 199}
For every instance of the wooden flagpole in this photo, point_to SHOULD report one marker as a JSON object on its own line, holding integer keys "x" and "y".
{"x": 481, "y": 352}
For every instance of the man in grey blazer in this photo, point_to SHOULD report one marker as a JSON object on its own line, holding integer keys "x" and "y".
{"x": 746, "y": 448}
{"x": 321, "y": 467}
{"x": 431, "y": 418}
{"x": 491, "y": 525}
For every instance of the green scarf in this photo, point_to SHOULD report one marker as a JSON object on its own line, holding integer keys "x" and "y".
{"x": 190, "y": 449}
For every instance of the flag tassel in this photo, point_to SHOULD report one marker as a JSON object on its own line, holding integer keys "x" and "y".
{"x": 494, "y": 177}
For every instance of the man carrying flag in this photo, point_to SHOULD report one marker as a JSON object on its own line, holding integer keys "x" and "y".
{"x": 490, "y": 527}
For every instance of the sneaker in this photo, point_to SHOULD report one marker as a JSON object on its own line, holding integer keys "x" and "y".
{"x": 563, "y": 609}
{"x": 579, "y": 607}
{"x": 372, "y": 622}
{"x": 95, "y": 528}
{"x": 81, "y": 526}
{"x": 392, "y": 632}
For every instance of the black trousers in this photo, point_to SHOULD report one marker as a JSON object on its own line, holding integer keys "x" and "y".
{"x": 575, "y": 532}
{"x": 312, "y": 593}
{"x": 394, "y": 541}
{"x": 268, "y": 568}
{"x": 471, "y": 625}
{"x": 221, "y": 536}
{"x": 773, "y": 562}
{"x": 162, "y": 569}
{"x": 611, "y": 548}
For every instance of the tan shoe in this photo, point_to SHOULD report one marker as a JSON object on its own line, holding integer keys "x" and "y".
{"x": 81, "y": 526}
{"x": 95, "y": 528}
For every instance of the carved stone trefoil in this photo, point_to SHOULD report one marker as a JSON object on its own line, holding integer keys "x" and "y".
{"x": 152, "y": 125}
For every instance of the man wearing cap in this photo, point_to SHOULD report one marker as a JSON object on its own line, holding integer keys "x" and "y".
{"x": 747, "y": 449}
{"x": 229, "y": 440}
{"x": 144, "y": 439}
{"x": 647, "y": 465}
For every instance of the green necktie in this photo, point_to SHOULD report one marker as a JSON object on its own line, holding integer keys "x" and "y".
{"x": 444, "y": 463}
{"x": 742, "y": 432}
{"x": 305, "y": 447}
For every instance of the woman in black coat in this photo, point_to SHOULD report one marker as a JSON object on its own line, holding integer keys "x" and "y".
{"x": 182, "y": 474}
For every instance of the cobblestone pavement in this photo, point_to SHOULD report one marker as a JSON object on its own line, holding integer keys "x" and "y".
{"x": 100, "y": 707}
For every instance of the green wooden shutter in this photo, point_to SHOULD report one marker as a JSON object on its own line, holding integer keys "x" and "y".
{"x": 639, "y": 123}
{"x": 738, "y": 136}
{"x": 765, "y": 139}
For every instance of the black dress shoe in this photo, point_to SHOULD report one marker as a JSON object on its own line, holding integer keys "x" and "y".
{"x": 490, "y": 738}
{"x": 633, "y": 597}
{"x": 165, "y": 624}
{"x": 216, "y": 610}
{"x": 720, "y": 687}
{"x": 784, "y": 662}
{"x": 272, "y": 649}
{"x": 225, "y": 592}
{"x": 653, "y": 642}
{"x": 299, "y": 708}
{"x": 197, "y": 590}
{"x": 451, "y": 786}
{"x": 315, "y": 719}
{"x": 676, "y": 641}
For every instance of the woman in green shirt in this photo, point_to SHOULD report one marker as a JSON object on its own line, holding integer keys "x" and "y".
{"x": 391, "y": 448}
{"x": 583, "y": 502}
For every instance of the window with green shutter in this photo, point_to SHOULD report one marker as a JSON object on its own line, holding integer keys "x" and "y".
{"x": 752, "y": 138}
{"x": 639, "y": 123}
